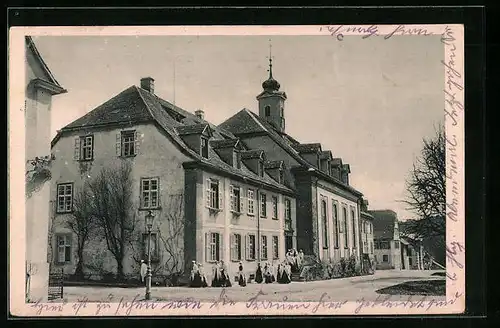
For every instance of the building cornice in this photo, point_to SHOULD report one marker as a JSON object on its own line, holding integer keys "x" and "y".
{"x": 213, "y": 169}
{"x": 50, "y": 87}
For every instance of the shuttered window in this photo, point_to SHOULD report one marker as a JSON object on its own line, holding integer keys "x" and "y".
{"x": 127, "y": 143}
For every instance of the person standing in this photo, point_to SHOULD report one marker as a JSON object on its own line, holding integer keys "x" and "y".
{"x": 215, "y": 275}
{"x": 258, "y": 274}
{"x": 242, "y": 281}
{"x": 144, "y": 271}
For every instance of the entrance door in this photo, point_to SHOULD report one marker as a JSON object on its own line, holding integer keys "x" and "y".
{"x": 288, "y": 243}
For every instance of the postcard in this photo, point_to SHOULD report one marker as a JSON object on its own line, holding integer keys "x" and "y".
{"x": 236, "y": 170}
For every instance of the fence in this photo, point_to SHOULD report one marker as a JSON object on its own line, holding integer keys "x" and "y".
{"x": 56, "y": 285}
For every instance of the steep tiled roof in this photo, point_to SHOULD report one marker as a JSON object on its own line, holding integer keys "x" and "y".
{"x": 135, "y": 105}
{"x": 273, "y": 164}
{"x": 191, "y": 129}
{"x": 224, "y": 143}
{"x": 254, "y": 153}
{"x": 383, "y": 224}
{"x": 246, "y": 121}
{"x": 307, "y": 148}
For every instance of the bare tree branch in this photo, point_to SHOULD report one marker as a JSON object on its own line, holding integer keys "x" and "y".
{"x": 426, "y": 188}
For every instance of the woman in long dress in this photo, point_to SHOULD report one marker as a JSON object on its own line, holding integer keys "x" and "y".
{"x": 195, "y": 276}
{"x": 286, "y": 276}
{"x": 225, "y": 280}
{"x": 258, "y": 274}
{"x": 267, "y": 274}
{"x": 242, "y": 281}
{"x": 215, "y": 275}
{"x": 279, "y": 273}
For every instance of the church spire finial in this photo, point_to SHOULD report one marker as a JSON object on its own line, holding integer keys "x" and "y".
{"x": 270, "y": 60}
{"x": 271, "y": 84}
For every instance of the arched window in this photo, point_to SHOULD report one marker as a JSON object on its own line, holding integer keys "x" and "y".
{"x": 324, "y": 219}
{"x": 267, "y": 110}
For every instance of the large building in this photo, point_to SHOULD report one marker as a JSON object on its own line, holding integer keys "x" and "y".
{"x": 249, "y": 191}
{"x": 367, "y": 241}
{"x": 386, "y": 239}
{"x": 213, "y": 198}
{"x": 40, "y": 87}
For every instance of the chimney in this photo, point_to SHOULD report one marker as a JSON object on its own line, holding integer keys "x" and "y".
{"x": 148, "y": 84}
{"x": 200, "y": 114}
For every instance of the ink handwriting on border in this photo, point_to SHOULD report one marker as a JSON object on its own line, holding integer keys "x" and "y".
{"x": 338, "y": 31}
{"x": 254, "y": 303}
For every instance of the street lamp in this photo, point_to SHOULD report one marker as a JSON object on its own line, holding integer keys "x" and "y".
{"x": 149, "y": 226}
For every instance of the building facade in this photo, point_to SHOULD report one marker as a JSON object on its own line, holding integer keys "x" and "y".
{"x": 367, "y": 219}
{"x": 213, "y": 198}
{"x": 386, "y": 240}
{"x": 41, "y": 86}
{"x": 328, "y": 208}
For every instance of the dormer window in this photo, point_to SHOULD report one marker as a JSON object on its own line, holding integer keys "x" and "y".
{"x": 282, "y": 177}
{"x": 267, "y": 110}
{"x": 204, "y": 147}
{"x": 237, "y": 156}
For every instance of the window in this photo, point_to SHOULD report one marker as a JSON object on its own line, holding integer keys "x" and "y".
{"x": 84, "y": 148}
{"x": 324, "y": 220}
{"x": 282, "y": 111}
{"x": 267, "y": 110}
{"x": 263, "y": 205}
{"x": 336, "y": 223}
{"x": 385, "y": 258}
{"x": 213, "y": 247}
{"x": 204, "y": 148}
{"x": 251, "y": 201}
{"x": 213, "y": 194}
{"x": 263, "y": 247}
{"x": 276, "y": 248}
{"x": 353, "y": 217}
{"x": 275, "y": 207}
{"x": 396, "y": 244}
{"x": 344, "y": 219}
{"x": 87, "y": 148}
{"x": 63, "y": 248}
{"x": 261, "y": 168}
{"x": 149, "y": 192}
{"x": 382, "y": 244}
{"x": 250, "y": 247}
{"x": 128, "y": 143}
{"x": 235, "y": 199}
{"x": 235, "y": 247}
{"x": 64, "y": 197}
{"x": 155, "y": 256}
{"x": 371, "y": 247}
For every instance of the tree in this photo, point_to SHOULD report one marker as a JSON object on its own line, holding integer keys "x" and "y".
{"x": 426, "y": 189}
{"x": 113, "y": 210}
{"x": 172, "y": 235}
{"x": 82, "y": 224}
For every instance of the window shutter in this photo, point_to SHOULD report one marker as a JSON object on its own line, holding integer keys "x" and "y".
{"x": 207, "y": 247}
{"x": 118, "y": 144}
{"x": 69, "y": 241}
{"x": 207, "y": 193}
{"x": 137, "y": 142}
{"x": 221, "y": 246}
{"x": 242, "y": 200}
{"x": 231, "y": 197}
{"x": 93, "y": 147}
{"x": 247, "y": 248}
{"x": 76, "y": 155}
{"x": 233, "y": 248}
{"x": 221, "y": 195}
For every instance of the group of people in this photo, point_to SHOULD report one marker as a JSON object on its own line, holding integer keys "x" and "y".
{"x": 268, "y": 273}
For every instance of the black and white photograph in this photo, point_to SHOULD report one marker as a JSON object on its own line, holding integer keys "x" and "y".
{"x": 221, "y": 170}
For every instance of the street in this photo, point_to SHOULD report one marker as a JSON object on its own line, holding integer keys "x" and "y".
{"x": 350, "y": 289}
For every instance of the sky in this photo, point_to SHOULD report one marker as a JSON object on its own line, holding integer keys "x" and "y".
{"x": 370, "y": 101}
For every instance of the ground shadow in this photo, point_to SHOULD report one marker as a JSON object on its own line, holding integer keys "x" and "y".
{"x": 436, "y": 287}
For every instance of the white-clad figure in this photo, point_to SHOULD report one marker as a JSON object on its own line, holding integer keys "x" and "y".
{"x": 144, "y": 270}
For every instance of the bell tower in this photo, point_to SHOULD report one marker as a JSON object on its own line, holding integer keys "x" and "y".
{"x": 272, "y": 100}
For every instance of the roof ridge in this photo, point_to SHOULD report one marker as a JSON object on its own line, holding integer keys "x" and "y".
{"x": 144, "y": 102}
{"x": 45, "y": 67}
